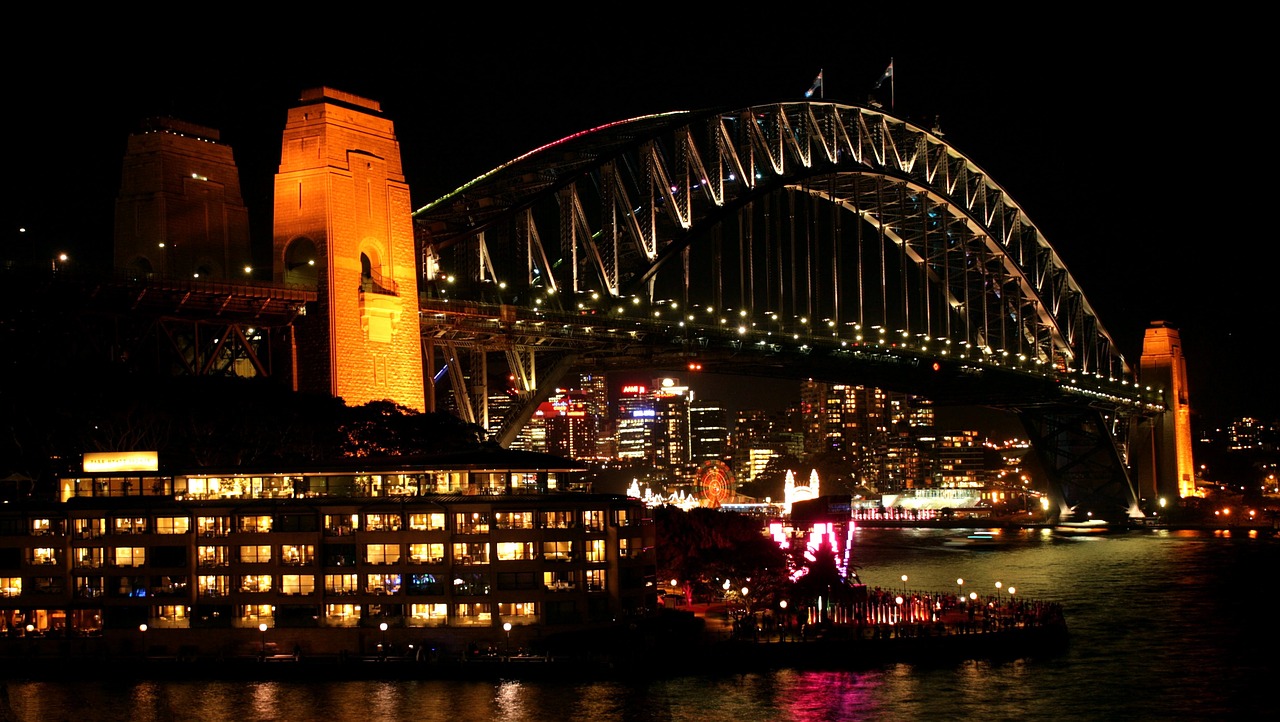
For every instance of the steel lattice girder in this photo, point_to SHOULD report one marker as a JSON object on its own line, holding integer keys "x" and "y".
{"x": 632, "y": 199}
{"x": 1085, "y": 470}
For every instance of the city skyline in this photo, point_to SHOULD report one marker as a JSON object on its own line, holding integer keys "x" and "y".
{"x": 1079, "y": 138}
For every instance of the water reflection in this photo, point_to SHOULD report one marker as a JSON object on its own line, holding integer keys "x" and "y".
{"x": 1163, "y": 625}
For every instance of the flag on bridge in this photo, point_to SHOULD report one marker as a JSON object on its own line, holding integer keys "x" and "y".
{"x": 888, "y": 75}
{"x": 816, "y": 87}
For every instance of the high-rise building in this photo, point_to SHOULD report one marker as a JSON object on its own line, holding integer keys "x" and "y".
{"x": 595, "y": 396}
{"x": 813, "y": 401}
{"x": 708, "y": 431}
{"x": 961, "y": 460}
{"x": 635, "y": 423}
{"x": 753, "y": 443}
{"x": 571, "y": 430}
{"x": 671, "y": 438}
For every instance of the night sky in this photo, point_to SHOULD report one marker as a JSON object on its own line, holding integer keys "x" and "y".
{"x": 1126, "y": 142}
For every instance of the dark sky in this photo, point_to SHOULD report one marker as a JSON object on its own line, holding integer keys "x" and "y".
{"x": 1128, "y": 143}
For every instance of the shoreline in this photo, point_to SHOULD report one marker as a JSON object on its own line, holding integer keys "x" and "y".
{"x": 724, "y": 657}
{"x": 987, "y": 523}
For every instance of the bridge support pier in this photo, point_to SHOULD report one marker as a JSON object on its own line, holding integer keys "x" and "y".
{"x": 1085, "y": 471}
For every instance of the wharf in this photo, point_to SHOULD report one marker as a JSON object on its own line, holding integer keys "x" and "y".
{"x": 698, "y": 641}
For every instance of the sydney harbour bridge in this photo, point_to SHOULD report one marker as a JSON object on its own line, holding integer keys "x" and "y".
{"x": 796, "y": 240}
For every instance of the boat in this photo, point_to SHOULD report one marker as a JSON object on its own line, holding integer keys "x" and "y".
{"x": 979, "y": 539}
{"x": 1089, "y": 526}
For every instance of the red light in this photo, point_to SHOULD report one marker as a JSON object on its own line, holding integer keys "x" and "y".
{"x": 695, "y": 366}
{"x": 937, "y": 366}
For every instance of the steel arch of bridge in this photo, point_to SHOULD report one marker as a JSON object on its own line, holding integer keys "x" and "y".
{"x": 786, "y": 220}
{"x": 650, "y": 208}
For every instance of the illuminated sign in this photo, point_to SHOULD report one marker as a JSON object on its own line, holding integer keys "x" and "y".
{"x": 109, "y": 461}
{"x": 643, "y": 414}
{"x": 667, "y": 383}
{"x": 634, "y": 389}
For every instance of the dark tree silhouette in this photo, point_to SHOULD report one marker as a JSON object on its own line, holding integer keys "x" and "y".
{"x": 702, "y": 547}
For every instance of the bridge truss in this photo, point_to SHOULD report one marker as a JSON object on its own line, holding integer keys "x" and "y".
{"x": 810, "y": 223}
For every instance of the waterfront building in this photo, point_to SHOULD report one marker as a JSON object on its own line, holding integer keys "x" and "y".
{"x": 444, "y": 551}
{"x": 961, "y": 460}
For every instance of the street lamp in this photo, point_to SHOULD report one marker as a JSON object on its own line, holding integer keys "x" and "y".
{"x": 382, "y": 646}
{"x": 904, "y": 583}
{"x": 506, "y": 627}
{"x": 960, "y": 583}
{"x": 263, "y": 628}
{"x": 998, "y": 585}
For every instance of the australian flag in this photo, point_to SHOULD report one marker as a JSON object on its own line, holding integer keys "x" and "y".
{"x": 888, "y": 75}
{"x": 816, "y": 87}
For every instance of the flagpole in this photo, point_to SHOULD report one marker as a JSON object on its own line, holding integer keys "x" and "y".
{"x": 892, "y": 79}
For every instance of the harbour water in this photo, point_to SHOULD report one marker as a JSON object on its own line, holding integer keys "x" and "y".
{"x": 1164, "y": 625}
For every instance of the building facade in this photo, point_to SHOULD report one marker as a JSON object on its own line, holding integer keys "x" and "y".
{"x": 343, "y": 226}
{"x": 444, "y": 553}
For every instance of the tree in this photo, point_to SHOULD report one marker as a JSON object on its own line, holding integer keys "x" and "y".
{"x": 703, "y": 547}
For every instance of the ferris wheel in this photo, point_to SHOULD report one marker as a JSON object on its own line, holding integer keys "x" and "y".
{"x": 714, "y": 483}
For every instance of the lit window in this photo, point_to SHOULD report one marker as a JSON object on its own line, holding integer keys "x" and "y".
{"x": 258, "y": 524}
{"x": 514, "y": 551}
{"x": 593, "y": 519}
{"x": 129, "y": 556}
{"x": 213, "y": 556}
{"x": 255, "y": 583}
{"x": 382, "y": 553}
{"x": 341, "y": 583}
{"x": 557, "y": 550}
{"x": 213, "y": 525}
{"x": 557, "y": 520}
{"x": 173, "y": 525}
{"x": 470, "y": 553}
{"x": 255, "y": 554}
{"x": 10, "y": 586}
{"x": 472, "y": 614}
{"x": 342, "y": 615}
{"x": 426, "y": 553}
{"x": 382, "y": 584}
{"x": 297, "y": 554}
{"x": 427, "y": 615}
{"x": 297, "y": 583}
{"x": 87, "y": 557}
{"x": 382, "y": 522}
{"x": 471, "y": 523}
{"x": 427, "y": 522}
{"x": 518, "y": 612}
{"x": 251, "y": 615}
{"x": 213, "y": 585}
{"x": 513, "y": 519}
